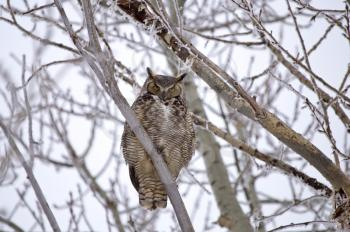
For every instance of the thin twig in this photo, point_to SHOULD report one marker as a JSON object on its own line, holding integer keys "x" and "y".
{"x": 328, "y": 131}
{"x": 11, "y": 224}
{"x": 298, "y": 225}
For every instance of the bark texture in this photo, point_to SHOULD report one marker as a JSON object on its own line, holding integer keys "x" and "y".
{"x": 234, "y": 95}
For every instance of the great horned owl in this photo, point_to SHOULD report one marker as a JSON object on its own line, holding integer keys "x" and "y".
{"x": 162, "y": 111}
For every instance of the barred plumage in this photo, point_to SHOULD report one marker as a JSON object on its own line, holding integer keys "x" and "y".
{"x": 163, "y": 113}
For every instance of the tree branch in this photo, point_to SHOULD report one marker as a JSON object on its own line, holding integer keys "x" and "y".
{"x": 216, "y": 77}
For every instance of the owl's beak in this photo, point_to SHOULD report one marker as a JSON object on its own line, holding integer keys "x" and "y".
{"x": 162, "y": 96}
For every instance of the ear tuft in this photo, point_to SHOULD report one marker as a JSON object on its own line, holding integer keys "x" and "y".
{"x": 181, "y": 77}
{"x": 149, "y": 72}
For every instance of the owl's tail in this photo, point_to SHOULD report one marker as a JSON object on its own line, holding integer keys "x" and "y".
{"x": 146, "y": 181}
{"x": 153, "y": 196}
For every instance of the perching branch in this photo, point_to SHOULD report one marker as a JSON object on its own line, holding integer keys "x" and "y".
{"x": 101, "y": 65}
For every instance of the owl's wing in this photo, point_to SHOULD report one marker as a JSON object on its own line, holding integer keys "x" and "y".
{"x": 129, "y": 143}
{"x": 133, "y": 151}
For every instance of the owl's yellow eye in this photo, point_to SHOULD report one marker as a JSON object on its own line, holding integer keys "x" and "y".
{"x": 153, "y": 88}
{"x": 175, "y": 91}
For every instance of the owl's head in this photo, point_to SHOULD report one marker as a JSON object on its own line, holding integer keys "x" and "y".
{"x": 165, "y": 87}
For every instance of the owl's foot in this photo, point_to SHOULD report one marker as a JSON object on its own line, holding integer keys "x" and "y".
{"x": 152, "y": 202}
{"x": 151, "y": 205}
{"x": 160, "y": 203}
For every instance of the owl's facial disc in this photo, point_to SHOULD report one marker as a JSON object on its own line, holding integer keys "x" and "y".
{"x": 164, "y": 93}
{"x": 165, "y": 87}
